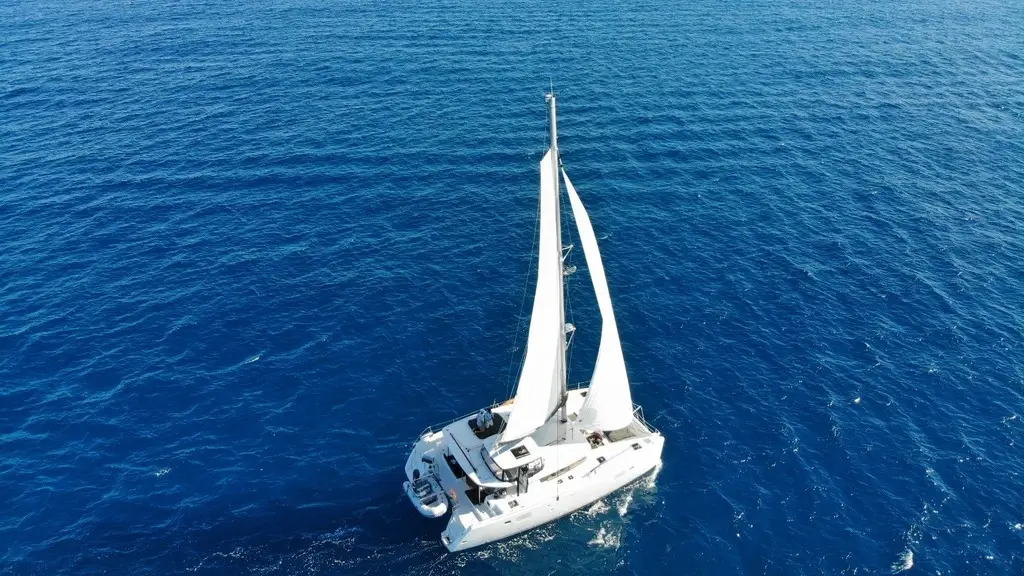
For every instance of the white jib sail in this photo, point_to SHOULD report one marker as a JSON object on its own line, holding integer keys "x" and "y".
{"x": 539, "y": 390}
{"x": 609, "y": 405}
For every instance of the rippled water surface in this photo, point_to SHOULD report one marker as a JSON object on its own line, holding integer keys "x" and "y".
{"x": 248, "y": 250}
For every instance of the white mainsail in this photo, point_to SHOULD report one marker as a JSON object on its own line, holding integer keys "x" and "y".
{"x": 609, "y": 405}
{"x": 539, "y": 391}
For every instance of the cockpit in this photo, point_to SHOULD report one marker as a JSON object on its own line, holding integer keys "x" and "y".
{"x": 511, "y": 474}
{"x": 514, "y": 463}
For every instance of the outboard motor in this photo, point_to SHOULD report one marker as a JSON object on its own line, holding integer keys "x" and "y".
{"x": 421, "y": 486}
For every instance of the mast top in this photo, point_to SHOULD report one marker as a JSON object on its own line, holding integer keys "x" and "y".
{"x": 552, "y": 114}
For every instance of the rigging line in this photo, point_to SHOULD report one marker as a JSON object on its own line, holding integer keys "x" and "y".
{"x": 572, "y": 320}
{"x": 522, "y": 307}
{"x": 568, "y": 292}
{"x": 526, "y": 287}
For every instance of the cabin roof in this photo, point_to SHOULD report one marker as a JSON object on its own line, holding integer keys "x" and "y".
{"x": 512, "y": 456}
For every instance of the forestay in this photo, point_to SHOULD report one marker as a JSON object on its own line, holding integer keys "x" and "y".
{"x": 609, "y": 405}
{"x": 540, "y": 383}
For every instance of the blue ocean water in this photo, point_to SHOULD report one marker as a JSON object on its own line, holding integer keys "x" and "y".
{"x": 249, "y": 250}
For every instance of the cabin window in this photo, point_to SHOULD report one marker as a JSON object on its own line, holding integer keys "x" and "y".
{"x": 534, "y": 467}
{"x": 510, "y": 475}
{"x": 499, "y": 473}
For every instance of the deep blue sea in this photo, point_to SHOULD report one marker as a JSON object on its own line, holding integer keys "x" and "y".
{"x": 249, "y": 250}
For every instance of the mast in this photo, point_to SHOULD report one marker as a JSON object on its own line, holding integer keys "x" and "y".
{"x": 553, "y": 114}
{"x": 541, "y": 389}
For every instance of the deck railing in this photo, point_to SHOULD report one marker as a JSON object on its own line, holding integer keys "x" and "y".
{"x": 638, "y": 413}
{"x": 438, "y": 427}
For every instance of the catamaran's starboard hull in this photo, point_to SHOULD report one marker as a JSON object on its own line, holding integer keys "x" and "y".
{"x": 458, "y": 537}
{"x": 605, "y": 469}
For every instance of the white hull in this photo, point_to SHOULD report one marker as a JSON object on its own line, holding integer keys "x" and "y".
{"x": 549, "y": 451}
{"x": 460, "y": 537}
{"x": 596, "y": 472}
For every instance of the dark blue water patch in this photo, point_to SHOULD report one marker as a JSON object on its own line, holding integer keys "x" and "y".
{"x": 249, "y": 251}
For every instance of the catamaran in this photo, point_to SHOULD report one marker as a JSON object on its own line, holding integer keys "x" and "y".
{"x": 549, "y": 450}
